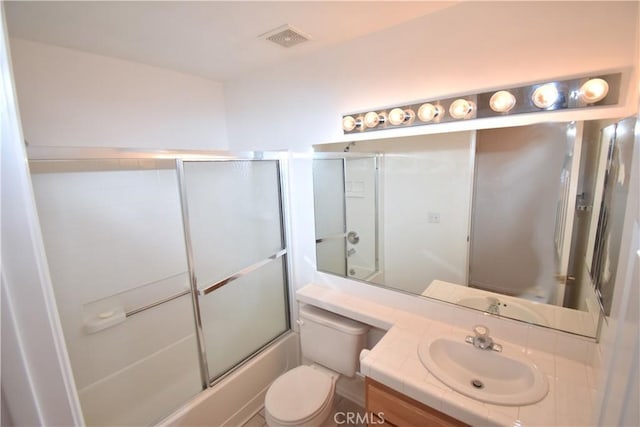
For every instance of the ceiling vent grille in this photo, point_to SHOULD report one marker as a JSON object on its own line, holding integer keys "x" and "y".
{"x": 286, "y": 36}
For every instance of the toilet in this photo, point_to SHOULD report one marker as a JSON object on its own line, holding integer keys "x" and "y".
{"x": 304, "y": 395}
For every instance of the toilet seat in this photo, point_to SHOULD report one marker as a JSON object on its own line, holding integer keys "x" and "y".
{"x": 299, "y": 395}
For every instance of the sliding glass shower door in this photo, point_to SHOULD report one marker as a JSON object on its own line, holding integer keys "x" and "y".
{"x": 233, "y": 220}
{"x": 331, "y": 226}
{"x": 140, "y": 247}
{"x": 113, "y": 236}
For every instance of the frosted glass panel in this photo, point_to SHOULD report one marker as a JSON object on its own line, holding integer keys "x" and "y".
{"x": 235, "y": 223}
{"x": 331, "y": 255}
{"x": 114, "y": 242}
{"x": 234, "y": 215}
{"x": 328, "y": 195}
{"x": 243, "y": 315}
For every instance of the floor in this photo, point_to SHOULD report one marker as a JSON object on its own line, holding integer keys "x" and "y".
{"x": 344, "y": 413}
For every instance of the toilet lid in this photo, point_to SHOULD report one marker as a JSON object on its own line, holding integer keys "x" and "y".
{"x": 299, "y": 394}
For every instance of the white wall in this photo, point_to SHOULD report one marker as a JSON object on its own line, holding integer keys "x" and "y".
{"x": 71, "y": 98}
{"x": 436, "y": 181}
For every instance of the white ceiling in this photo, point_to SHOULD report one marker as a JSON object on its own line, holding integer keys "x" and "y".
{"x": 213, "y": 39}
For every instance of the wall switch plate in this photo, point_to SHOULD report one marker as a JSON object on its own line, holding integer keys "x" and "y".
{"x": 433, "y": 217}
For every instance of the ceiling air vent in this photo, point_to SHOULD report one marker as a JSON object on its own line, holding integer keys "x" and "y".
{"x": 286, "y": 36}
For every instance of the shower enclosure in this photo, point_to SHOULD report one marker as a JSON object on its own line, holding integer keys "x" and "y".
{"x": 347, "y": 232}
{"x": 169, "y": 270}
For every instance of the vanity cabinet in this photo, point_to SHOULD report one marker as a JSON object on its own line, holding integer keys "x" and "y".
{"x": 387, "y": 407}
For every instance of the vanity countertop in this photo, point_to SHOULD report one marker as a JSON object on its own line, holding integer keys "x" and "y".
{"x": 394, "y": 362}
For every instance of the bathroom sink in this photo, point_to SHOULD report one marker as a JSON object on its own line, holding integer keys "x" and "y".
{"x": 485, "y": 375}
{"x": 506, "y": 308}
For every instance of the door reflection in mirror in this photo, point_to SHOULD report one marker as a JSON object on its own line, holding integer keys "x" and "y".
{"x": 347, "y": 231}
{"x": 516, "y": 187}
{"x": 617, "y": 143}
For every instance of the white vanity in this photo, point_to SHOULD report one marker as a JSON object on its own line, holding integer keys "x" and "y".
{"x": 399, "y": 385}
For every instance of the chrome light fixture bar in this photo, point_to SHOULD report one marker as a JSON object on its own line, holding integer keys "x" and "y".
{"x": 581, "y": 92}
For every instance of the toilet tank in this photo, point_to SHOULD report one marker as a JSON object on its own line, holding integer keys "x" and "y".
{"x": 331, "y": 340}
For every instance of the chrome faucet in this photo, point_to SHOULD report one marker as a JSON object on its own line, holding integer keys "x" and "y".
{"x": 482, "y": 340}
{"x": 494, "y": 307}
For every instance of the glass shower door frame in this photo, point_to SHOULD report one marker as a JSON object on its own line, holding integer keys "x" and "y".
{"x": 174, "y": 160}
{"x": 281, "y": 254}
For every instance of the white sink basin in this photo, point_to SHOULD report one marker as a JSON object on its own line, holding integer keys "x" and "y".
{"x": 507, "y": 308}
{"x": 485, "y": 375}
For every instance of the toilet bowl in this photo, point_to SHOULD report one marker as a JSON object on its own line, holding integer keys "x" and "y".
{"x": 303, "y": 396}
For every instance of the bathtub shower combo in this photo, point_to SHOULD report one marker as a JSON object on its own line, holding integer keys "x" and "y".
{"x": 169, "y": 270}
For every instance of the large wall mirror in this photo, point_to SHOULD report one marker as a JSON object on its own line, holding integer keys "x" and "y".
{"x": 521, "y": 222}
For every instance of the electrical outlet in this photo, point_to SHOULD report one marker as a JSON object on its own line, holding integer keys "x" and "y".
{"x": 434, "y": 217}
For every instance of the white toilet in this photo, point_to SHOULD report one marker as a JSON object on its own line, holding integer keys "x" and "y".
{"x": 304, "y": 395}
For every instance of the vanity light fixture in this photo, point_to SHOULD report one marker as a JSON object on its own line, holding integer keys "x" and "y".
{"x": 545, "y": 96}
{"x": 462, "y": 108}
{"x": 372, "y": 119}
{"x": 428, "y": 112}
{"x": 593, "y": 90}
{"x": 349, "y": 123}
{"x": 502, "y": 101}
{"x": 398, "y": 116}
{"x": 557, "y": 94}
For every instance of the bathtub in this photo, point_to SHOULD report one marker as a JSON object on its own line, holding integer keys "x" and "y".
{"x": 240, "y": 395}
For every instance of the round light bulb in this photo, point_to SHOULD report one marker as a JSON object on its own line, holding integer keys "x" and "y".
{"x": 594, "y": 90}
{"x": 428, "y": 112}
{"x": 371, "y": 119}
{"x": 545, "y": 96}
{"x": 461, "y": 108}
{"x": 397, "y": 116}
{"x": 502, "y": 101}
{"x": 348, "y": 123}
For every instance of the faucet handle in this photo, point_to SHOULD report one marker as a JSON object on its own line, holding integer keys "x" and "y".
{"x": 481, "y": 331}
